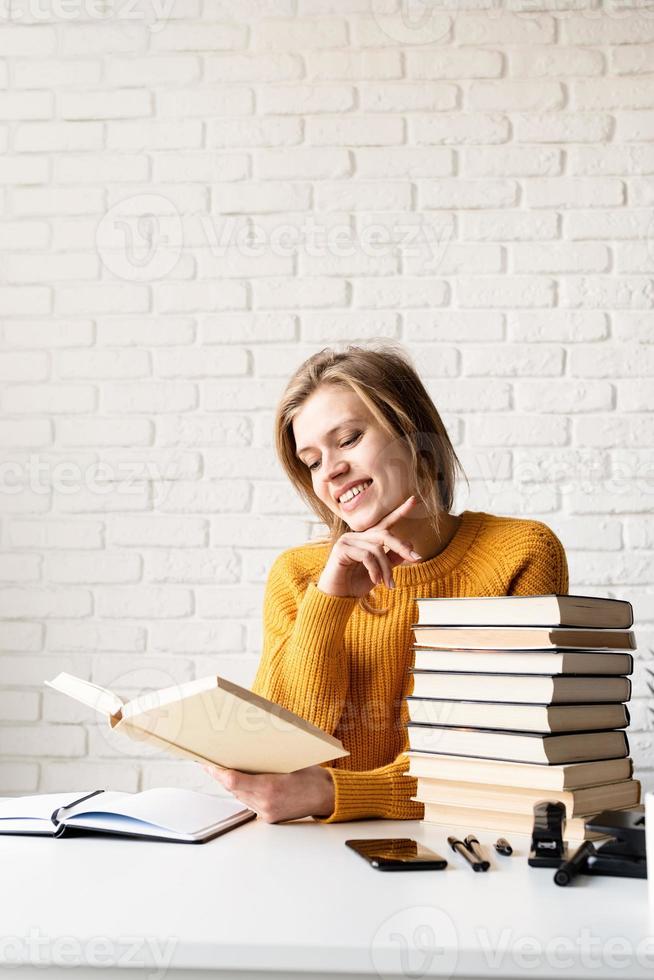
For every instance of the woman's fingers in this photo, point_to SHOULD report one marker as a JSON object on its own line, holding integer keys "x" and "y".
{"x": 394, "y": 558}
{"x": 381, "y": 561}
{"x": 232, "y": 779}
{"x": 250, "y": 790}
{"x": 384, "y": 564}
{"x": 282, "y": 796}
{"x": 216, "y": 772}
{"x": 372, "y": 568}
{"x": 261, "y": 792}
{"x": 374, "y": 559}
{"x": 399, "y": 512}
{"x": 400, "y": 547}
{"x": 367, "y": 548}
{"x": 395, "y": 545}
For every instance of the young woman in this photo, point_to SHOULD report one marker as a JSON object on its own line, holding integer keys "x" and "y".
{"x": 365, "y": 447}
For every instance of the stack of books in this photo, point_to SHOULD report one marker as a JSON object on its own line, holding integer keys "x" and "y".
{"x": 518, "y": 699}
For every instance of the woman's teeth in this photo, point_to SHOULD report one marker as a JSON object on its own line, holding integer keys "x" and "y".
{"x": 355, "y": 492}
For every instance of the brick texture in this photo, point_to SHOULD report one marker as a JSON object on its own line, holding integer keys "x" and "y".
{"x": 194, "y": 205}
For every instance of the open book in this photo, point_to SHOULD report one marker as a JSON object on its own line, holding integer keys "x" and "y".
{"x": 161, "y": 814}
{"x": 212, "y": 720}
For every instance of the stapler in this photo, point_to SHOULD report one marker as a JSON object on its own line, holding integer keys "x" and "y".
{"x": 624, "y": 855}
{"x": 548, "y": 849}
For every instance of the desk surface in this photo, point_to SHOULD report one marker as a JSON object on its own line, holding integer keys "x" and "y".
{"x": 291, "y": 897}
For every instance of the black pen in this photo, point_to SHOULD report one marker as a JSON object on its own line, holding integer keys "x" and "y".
{"x": 460, "y": 848}
{"x": 474, "y": 847}
{"x": 571, "y": 868}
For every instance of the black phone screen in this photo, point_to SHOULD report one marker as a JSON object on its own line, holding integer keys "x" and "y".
{"x": 397, "y": 854}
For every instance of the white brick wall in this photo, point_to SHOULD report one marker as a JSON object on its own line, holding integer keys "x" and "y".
{"x": 193, "y": 203}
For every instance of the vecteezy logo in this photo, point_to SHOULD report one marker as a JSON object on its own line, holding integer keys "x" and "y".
{"x": 140, "y": 238}
{"x": 410, "y": 942}
{"x": 145, "y": 683}
{"x": 411, "y": 21}
{"x": 155, "y": 13}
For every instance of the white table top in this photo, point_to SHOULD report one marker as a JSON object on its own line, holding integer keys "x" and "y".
{"x": 291, "y": 897}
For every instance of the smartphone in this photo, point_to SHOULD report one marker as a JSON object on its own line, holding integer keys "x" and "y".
{"x": 397, "y": 854}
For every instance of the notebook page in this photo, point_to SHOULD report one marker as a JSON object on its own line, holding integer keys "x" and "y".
{"x": 116, "y": 823}
{"x": 31, "y": 814}
{"x": 181, "y": 811}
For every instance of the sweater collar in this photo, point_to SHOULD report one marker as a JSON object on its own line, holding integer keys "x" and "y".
{"x": 444, "y": 562}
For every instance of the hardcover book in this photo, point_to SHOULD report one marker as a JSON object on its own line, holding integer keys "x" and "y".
{"x": 518, "y": 717}
{"x": 532, "y": 610}
{"x": 501, "y": 821}
{"x": 519, "y": 746}
{"x": 522, "y": 638}
{"x": 514, "y": 799}
{"x": 212, "y": 720}
{"x": 566, "y": 776}
{"x": 552, "y": 662}
{"x": 527, "y": 689}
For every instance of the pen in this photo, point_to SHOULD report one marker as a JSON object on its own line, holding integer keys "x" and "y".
{"x": 461, "y": 849}
{"x": 474, "y": 847}
{"x": 571, "y": 868}
{"x": 502, "y": 846}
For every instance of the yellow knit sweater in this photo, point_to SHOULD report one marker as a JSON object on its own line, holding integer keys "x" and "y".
{"x": 347, "y": 671}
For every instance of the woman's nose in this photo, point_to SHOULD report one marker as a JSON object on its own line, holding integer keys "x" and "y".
{"x": 334, "y": 467}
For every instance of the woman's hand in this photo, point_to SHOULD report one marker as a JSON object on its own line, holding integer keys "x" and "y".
{"x": 358, "y": 562}
{"x": 280, "y": 796}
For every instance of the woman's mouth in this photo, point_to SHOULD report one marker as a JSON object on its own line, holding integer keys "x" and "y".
{"x": 356, "y": 500}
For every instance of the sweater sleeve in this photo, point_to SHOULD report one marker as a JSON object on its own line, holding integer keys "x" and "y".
{"x": 304, "y": 667}
{"x": 304, "y": 664}
{"x": 544, "y": 570}
{"x": 383, "y": 792}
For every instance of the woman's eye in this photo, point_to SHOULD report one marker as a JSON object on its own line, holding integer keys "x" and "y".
{"x": 352, "y": 438}
{"x": 346, "y": 443}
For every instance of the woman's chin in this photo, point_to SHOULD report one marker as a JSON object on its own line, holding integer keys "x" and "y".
{"x": 361, "y": 523}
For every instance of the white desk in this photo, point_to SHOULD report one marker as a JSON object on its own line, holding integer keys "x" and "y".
{"x": 291, "y": 900}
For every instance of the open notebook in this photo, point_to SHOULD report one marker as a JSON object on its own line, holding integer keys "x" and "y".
{"x": 160, "y": 814}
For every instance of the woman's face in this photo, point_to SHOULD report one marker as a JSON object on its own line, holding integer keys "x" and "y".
{"x": 358, "y": 451}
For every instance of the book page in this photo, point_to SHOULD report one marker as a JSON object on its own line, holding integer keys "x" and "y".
{"x": 94, "y": 696}
{"x": 32, "y": 814}
{"x": 154, "y": 700}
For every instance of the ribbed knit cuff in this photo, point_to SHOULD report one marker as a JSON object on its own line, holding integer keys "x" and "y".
{"x": 377, "y": 793}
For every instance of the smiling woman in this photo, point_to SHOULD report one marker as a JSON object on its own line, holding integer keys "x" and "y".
{"x": 388, "y": 442}
{"x": 362, "y": 442}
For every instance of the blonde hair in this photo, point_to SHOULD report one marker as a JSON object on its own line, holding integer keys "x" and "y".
{"x": 386, "y": 381}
